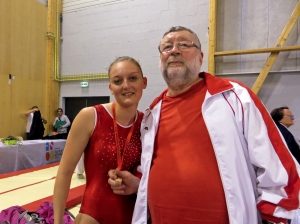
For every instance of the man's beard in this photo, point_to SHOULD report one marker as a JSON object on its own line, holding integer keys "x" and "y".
{"x": 179, "y": 76}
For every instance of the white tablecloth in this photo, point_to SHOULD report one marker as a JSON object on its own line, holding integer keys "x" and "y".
{"x": 28, "y": 154}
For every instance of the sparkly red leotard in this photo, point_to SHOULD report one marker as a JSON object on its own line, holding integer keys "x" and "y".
{"x": 99, "y": 201}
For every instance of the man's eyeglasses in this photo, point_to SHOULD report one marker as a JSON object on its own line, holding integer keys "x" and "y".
{"x": 182, "y": 45}
{"x": 290, "y": 116}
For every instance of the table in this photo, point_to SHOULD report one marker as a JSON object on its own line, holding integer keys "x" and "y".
{"x": 30, "y": 153}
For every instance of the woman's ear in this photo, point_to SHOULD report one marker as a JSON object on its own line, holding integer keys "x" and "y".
{"x": 145, "y": 81}
{"x": 110, "y": 89}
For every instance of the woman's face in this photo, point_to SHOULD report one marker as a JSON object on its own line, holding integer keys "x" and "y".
{"x": 126, "y": 83}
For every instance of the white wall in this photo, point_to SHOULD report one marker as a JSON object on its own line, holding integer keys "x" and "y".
{"x": 250, "y": 24}
{"x": 258, "y": 24}
{"x": 94, "y": 37}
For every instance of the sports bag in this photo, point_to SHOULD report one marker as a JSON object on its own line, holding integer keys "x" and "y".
{"x": 45, "y": 211}
{"x": 18, "y": 215}
{"x": 43, "y": 215}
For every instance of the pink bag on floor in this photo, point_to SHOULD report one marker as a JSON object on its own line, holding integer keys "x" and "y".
{"x": 43, "y": 215}
{"x": 45, "y": 211}
{"x": 18, "y": 215}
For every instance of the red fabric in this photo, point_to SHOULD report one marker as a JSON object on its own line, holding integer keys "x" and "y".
{"x": 273, "y": 219}
{"x": 137, "y": 173}
{"x": 190, "y": 189}
{"x": 99, "y": 201}
{"x": 267, "y": 209}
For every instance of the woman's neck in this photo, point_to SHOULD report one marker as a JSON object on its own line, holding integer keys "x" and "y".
{"x": 125, "y": 115}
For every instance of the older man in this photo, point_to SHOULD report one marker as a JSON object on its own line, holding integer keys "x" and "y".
{"x": 211, "y": 152}
{"x": 284, "y": 118}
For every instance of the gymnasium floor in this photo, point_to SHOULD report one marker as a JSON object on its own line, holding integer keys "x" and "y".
{"x": 30, "y": 188}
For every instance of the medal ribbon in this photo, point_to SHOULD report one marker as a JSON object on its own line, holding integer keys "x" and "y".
{"x": 120, "y": 155}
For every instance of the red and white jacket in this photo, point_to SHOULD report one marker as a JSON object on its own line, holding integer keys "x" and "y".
{"x": 259, "y": 175}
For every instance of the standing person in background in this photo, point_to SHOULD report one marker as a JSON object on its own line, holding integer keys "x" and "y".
{"x": 61, "y": 123}
{"x": 79, "y": 169}
{"x": 35, "y": 131}
{"x": 109, "y": 136}
{"x": 284, "y": 118}
{"x": 210, "y": 150}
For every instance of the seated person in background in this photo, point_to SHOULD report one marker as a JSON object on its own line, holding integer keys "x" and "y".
{"x": 34, "y": 128}
{"x": 61, "y": 123}
{"x": 284, "y": 119}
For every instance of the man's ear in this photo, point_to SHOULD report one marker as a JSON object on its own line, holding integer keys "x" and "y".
{"x": 201, "y": 57}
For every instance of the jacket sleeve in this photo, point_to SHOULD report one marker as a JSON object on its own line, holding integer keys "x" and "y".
{"x": 137, "y": 172}
{"x": 292, "y": 144}
{"x": 54, "y": 122}
{"x": 67, "y": 122}
{"x": 277, "y": 171}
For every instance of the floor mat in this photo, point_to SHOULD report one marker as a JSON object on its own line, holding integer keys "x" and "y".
{"x": 30, "y": 188}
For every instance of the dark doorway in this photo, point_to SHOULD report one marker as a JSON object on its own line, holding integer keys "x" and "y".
{"x": 74, "y": 104}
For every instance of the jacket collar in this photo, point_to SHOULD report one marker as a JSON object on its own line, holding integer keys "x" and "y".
{"x": 214, "y": 85}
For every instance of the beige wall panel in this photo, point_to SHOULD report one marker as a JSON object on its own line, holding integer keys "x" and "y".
{"x": 26, "y": 93}
{"x": 5, "y": 32}
{"x": 53, "y": 97}
{"x": 37, "y": 41}
{"x": 20, "y": 37}
{"x": 5, "y": 64}
{"x": 23, "y": 27}
{"x": 5, "y": 102}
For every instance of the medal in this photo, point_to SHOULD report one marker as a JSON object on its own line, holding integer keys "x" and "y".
{"x": 120, "y": 153}
{"x": 119, "y": 179}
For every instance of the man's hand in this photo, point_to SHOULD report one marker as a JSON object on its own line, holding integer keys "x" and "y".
{"x": 44, "y": 120}
{"x": 129, "y": 184}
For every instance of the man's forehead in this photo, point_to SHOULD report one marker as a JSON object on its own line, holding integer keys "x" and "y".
{"x": 179, "y": 34}
{"x": 287, "y": 111}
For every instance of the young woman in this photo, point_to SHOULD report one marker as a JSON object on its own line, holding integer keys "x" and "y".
{"x": 109, "y": 136}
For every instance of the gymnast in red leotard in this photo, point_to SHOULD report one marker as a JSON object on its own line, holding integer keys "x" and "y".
{"x": 109, "y": 136}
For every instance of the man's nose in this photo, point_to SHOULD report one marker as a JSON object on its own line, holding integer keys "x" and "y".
{"x": 175, "y": 49}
